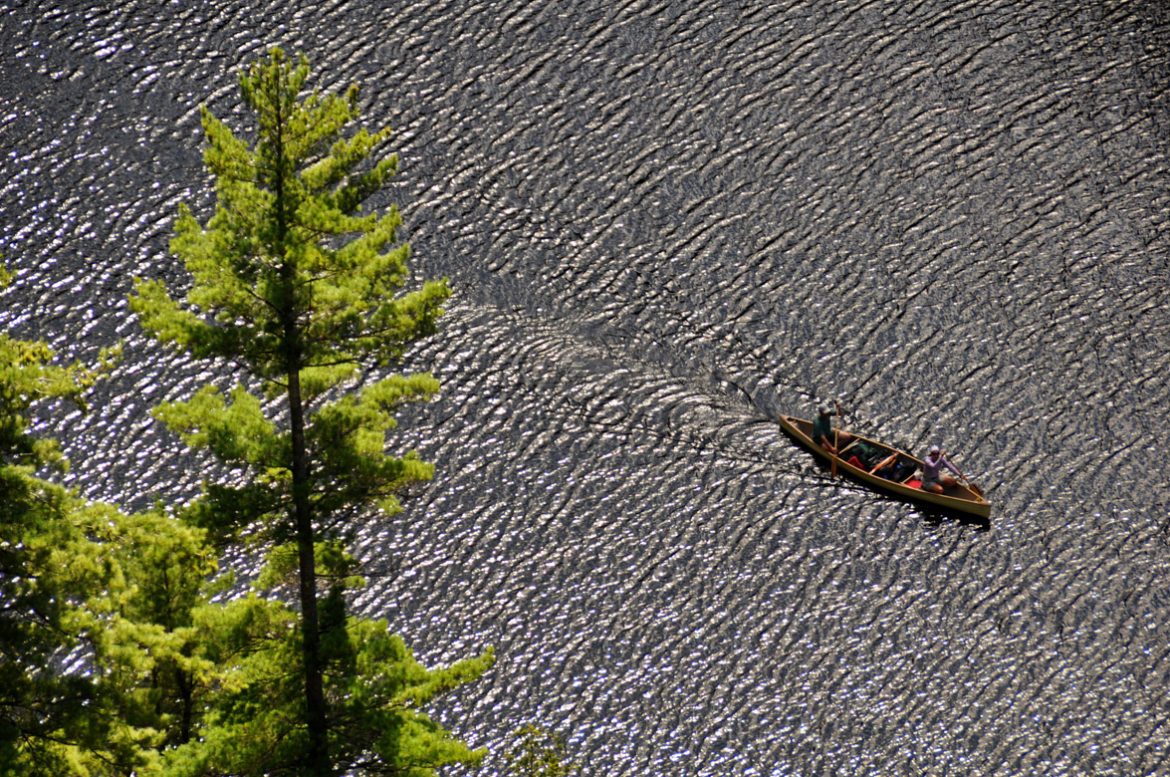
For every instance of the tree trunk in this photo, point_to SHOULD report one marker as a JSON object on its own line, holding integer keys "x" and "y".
{"x": 183, "y": 680}
{"x": 317, "y": 762}
{"x": 315, "y": 718}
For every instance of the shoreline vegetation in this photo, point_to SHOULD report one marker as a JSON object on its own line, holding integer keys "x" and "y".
{"x": 309, "y": 297}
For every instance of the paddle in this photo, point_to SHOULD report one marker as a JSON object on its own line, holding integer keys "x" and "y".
{"x": 832, "y": 454}
{"x": 836, "y": 443}
{"x": 974, "y": 488}
{"x": 978, "y": 491}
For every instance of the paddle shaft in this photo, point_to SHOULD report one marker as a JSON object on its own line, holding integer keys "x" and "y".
{"x": 834, "y": 452}
{"x": 970, "y": 485}
{"x": 836, "y": 441}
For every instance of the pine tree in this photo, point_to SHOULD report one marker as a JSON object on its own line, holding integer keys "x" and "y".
{"x": 308, "y": 296}
{"x": 50, "y": 720}
{"x": 537, "y": 752}
{"x": 39, "y": 710}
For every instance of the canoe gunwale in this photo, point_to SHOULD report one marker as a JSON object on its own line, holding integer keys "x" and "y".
{"x": 974, "y": 505}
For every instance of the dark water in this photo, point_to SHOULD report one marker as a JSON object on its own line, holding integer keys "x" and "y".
{"x": 665, "y": 222}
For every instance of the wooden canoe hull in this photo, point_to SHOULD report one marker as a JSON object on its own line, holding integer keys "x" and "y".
{"x": 959, "y": 499}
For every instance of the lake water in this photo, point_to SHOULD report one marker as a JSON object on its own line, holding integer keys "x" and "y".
{"x": 664, "y": 223}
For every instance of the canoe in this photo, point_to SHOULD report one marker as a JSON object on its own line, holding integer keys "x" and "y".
{"x": 961, "y": 498}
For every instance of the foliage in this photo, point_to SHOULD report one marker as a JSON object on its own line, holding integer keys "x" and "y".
{"x": 536, "y": 752}
{"x": 40, "y": 711}
{"x": 49, "y": 719}
{"x": 304, "y": 293}
{"x": 374, "y": 684}
{"x": 28, "y": 375}
{"x": 121, "y": 650}
{"x": 308, "y": 296}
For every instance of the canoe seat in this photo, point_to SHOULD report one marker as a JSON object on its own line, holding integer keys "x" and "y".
{"x": 913, "y": 483}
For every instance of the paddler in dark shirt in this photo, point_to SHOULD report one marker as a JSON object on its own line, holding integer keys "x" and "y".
{"x": 822, "y": 430}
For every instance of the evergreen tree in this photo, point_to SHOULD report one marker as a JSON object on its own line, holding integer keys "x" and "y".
{"x": 537, "y": 752}
{"x": 306, "y": 294}
{"x": 50, "y": 719}
{"x": 39, "y": 709}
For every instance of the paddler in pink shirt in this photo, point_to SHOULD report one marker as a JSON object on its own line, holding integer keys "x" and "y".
{"x": 932, "y": 477}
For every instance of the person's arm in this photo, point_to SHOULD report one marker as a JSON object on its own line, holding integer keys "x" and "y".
{"x": 950, "y": 466}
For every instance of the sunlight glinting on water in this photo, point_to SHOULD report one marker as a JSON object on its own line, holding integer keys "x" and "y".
{"x": 665, "y": 223}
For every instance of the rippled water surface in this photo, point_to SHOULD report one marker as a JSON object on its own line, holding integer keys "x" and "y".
{"x": 664, "y": 223}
